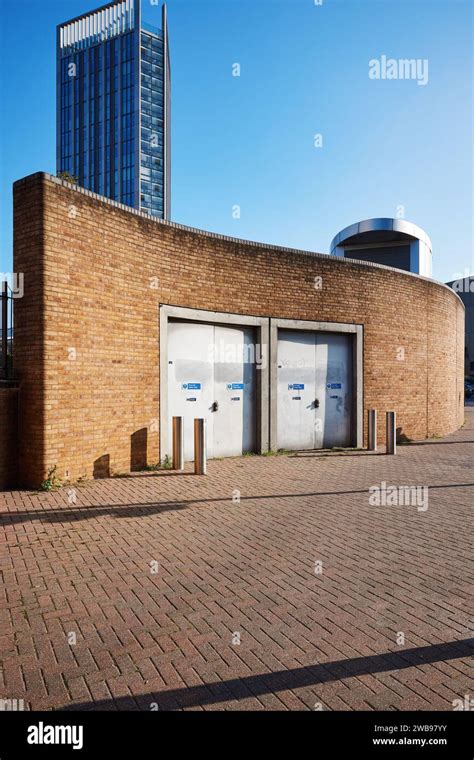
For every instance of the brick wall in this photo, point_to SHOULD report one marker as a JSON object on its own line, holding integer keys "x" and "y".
{"x": 8, "y": 436}
{"x": 87, "y": 330}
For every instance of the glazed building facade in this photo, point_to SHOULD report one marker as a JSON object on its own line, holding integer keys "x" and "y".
{"x": 113, "y": 105}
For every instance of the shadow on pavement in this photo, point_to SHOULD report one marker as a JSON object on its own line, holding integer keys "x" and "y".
{"x": 283, "y": 680}
{"x": 70, "y": 514}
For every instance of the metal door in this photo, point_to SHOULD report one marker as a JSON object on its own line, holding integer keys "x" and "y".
{"x": 211, "y": 374}
{"x": 314, "y": 390}
{"x": 234, "y": 391}
{"x": 190, "y": 379}
{"x": 334, "y": 390}
{"x": 296, "y": 389}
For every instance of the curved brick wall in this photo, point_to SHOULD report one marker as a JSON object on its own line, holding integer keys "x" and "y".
{"x": 95, "y": 274}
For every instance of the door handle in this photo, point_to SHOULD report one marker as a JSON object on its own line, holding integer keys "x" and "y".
{"x": 215, "y": 406}
{"x": 316, "y": 403}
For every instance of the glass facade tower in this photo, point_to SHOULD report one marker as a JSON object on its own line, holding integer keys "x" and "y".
{"x": 113, "y": 105}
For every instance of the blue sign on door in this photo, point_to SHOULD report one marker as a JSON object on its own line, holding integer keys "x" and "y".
{"x": 296, "y": 387}
{"x": 235, "y": 386}
{"x": 191, "y": 386}
{"x": 334, "y": 386}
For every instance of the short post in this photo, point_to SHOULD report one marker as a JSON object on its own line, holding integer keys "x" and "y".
{"x": 178, "y": 443}
{"x": 391, "y": 433}
{"x": 372, "y": 430}
{"x": 200, "y": 458}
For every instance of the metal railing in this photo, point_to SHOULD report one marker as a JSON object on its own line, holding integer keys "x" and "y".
{"x": 6, "y": 331}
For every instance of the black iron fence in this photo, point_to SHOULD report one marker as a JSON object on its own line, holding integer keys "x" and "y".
{"x": 6, "y": 331}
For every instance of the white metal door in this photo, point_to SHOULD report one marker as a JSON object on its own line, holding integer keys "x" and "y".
{"x": 334, "y": 388}
{"x": 314, "y": 389}
{"x": 296, "y": 389}
{"x": 234, "y": 391}
{"x": 211, "y": 374}
{"x": 190, "y": 379}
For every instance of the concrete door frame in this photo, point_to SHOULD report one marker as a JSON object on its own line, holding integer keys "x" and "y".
{"x": 261, "y": 325}
{"x": 357, "y": 432}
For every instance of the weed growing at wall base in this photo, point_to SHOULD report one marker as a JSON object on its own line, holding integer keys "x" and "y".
{"x": 51, "y": 481}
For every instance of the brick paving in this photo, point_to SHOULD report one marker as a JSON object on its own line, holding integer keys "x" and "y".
{"x": 79, "y": 565}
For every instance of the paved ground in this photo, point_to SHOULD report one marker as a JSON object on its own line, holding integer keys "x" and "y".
{"x": 387, "y": 624}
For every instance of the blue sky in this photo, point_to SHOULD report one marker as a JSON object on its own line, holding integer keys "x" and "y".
{"x": 249, "y": 140}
